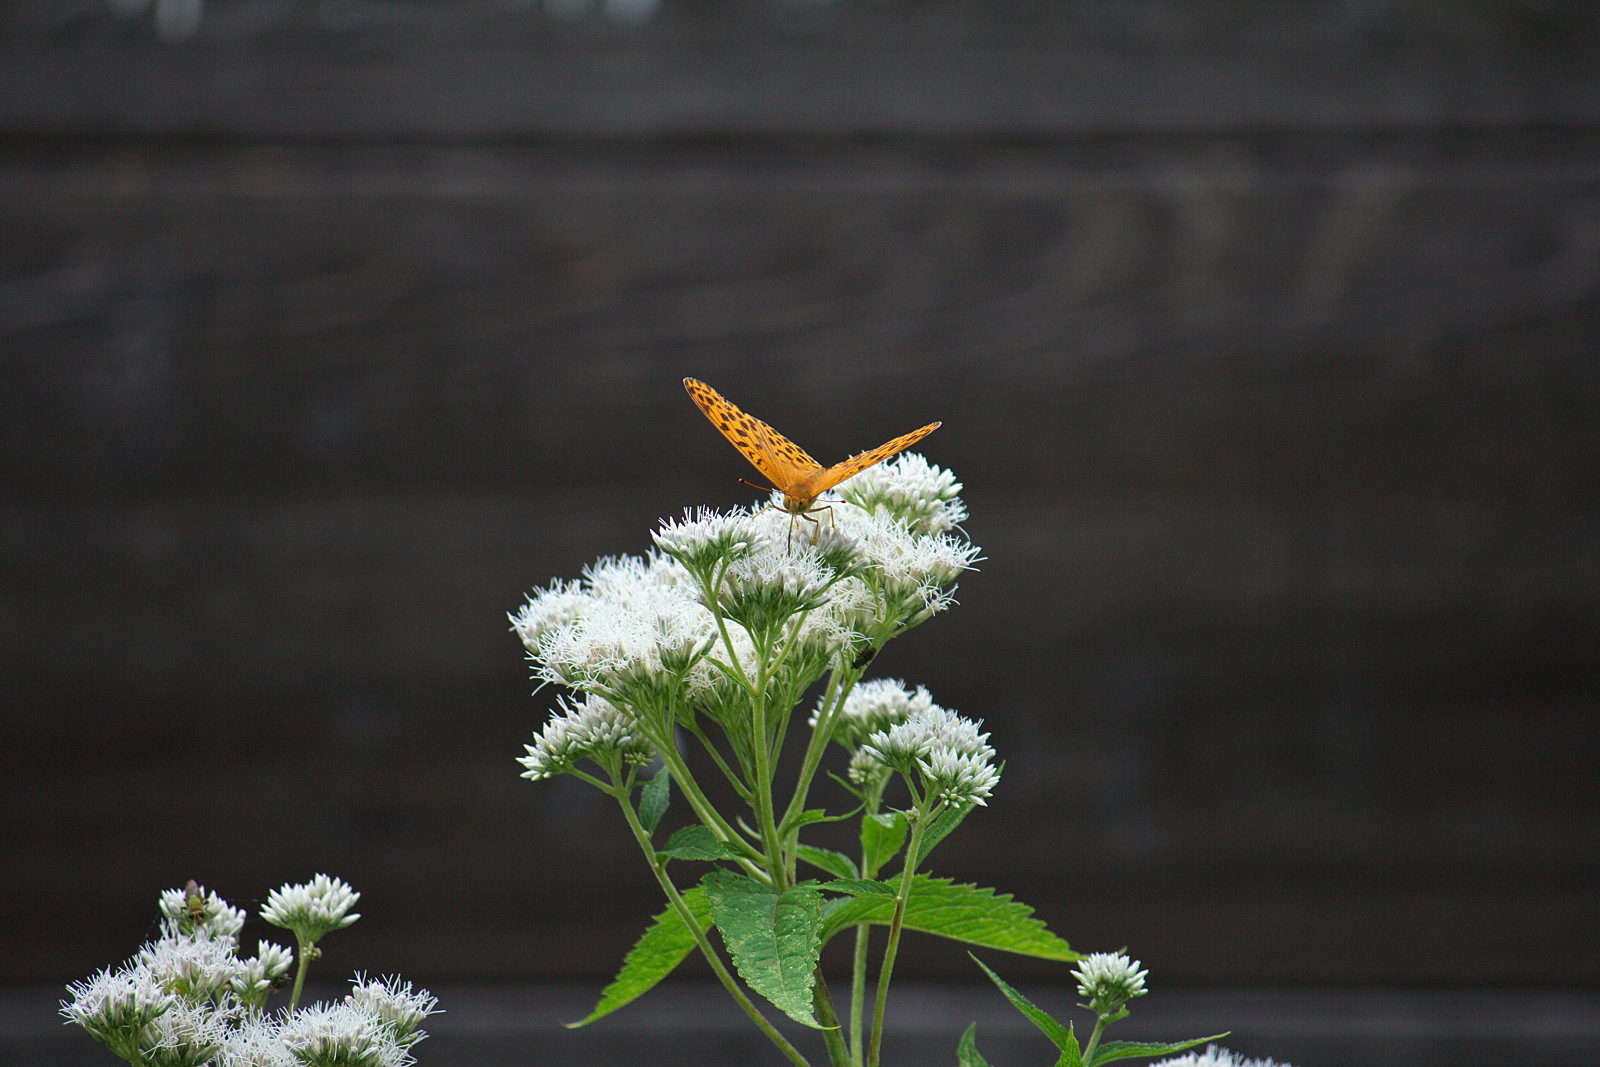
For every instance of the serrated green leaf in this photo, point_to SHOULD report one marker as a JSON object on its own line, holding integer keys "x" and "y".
{"x": 654, "y": 799}
{"x": 859, "y": 887}
{"x": 1060, "y": 1036}
{"x": 657, "y": 953}
{"x": 835, "y": 863}
{"x": 696, "y": 843}
{"x": 959, "y": 912}
{"x": 882, "y": 836}
{"x": 773, "y": 939}
{"x": 941, "y": 828}
{"x": 1122, "y": 1050}
{"x": 967, "y": 1052}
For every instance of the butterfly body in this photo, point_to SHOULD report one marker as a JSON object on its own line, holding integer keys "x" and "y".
{"x": 792, "y": 472}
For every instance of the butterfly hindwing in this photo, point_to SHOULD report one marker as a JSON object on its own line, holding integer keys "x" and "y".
{"x": 856, "y": 464}
{"x": 774, "y": 455}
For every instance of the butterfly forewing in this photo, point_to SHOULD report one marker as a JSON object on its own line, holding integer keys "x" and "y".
{"x": 800, "y": 478}
{"x": 774, "y": 455}
{"x": 825, "y": 480}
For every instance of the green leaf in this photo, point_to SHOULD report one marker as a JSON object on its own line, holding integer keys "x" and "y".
{"x": 882, "y": 835}
{"x": 811, "y": 815}
{"x": 657, "y": 953}
{"x": 653, "y": 800}
{"x": 696, "y": 843}
{"x": 1121, "y": 1050}
{"x": 773, "y": 939}
{"x": 835, "y": 863}
{"x": 1060, "y": 1036}
{"x": 967, "y": 1052}
{"x": 946, "y": 822}
{"x": 859, "y": 887}
{"x": 959, "y": 912}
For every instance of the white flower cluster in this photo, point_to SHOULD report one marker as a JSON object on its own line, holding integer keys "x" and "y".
{"x": 194, "y": 970}
{"x": 194, "y": 912}
{"x": 729, "y": 600}
{"x": 1216, "y": 1057}
{"x": 953, "y": 760}
{"x": 401, "y": 1007}
{"x": 186, "y": 999}
{"x": 592, "y": 728}
{"x": 258, "y": 977}
{"x": 1109, "y": 980}
{"x": 925, "y": 497}
{"x": 312, "y": 910}
{"x": 341, "y": 1035}
{"x": 877, "y": 705}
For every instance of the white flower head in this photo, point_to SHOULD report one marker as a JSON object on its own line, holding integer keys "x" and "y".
{"x": 923, "y": 496}
{"x": 590, "y": 728}
{"x": 1214, "y": 1056}
{"x": 341, "y": 1035}
{"x": 876, "y": 705}
{"x": 704, "y": 538}
{"x": 954, "y": 760}
{"x": 117, "y": 1007}
{"x": 258, "y": 977}
{"x": 194, "y": 912}
{"x": 256, "y": 1043}
{"x": 1109, "y": 980}
{"x": 396, "y": 1004}
{"x": 546, "y": 610}
{"x": 765, "y": 589}
{"x": 630, "y": 630}
{"x": 312, "y": 910}
{"x": 194, "y": 970}
{"x": 914, "y": 571}
{"x": 866, "y": 770}
{"x": 190, "y": 1035}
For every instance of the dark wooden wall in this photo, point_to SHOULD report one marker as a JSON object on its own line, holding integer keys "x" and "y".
{"x": 1266, "y": 338}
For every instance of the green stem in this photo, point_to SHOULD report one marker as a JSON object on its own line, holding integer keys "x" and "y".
{"x": 832, "y": 1035}
{"x": 305, "y": 952}
{"x": 1094, "y": 1039}
{"x": 895, "y": 926}
{"x": 818, "y": 744}
{"x": 858, "y": 989}
{"x": 687, "y": 917}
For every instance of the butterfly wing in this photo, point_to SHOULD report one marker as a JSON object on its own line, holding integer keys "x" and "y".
{"x": 825, "y": 480}
{"x": 774, "y": 455}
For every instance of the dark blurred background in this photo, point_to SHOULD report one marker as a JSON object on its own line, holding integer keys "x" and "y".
{"x": 1265, "y": 334}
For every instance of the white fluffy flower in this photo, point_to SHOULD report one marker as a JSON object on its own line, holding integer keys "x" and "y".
{"x": 546, "y": 610}
{"x": 396, "y": 1004}
{"x": 194, "y": 912}
{"x": 703, "y": 537}
{"x": 190, "y": 1035}
{"x": 195, "y": 970}
{"x": 256, "y": 1043}
{"x": 116, "y": 1007}
{"x": 625, "y": 630}
{"x": 923, "y": 496}
{"x": 954, "y": 760}
{"x": 877, "y": 705}
{"x": 1216, "y": 1057}
{"x": 312, "y": 910}
{"x": 341, "y": 1035}
{"x": 1109, "y": 980}
{"x": 913, "y": 570}
{"x": 591, "y": 728}
{"x": 257, "y": 977}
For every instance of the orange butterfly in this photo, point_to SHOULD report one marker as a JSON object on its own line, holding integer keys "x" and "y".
{"x": 796, "y": 475}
